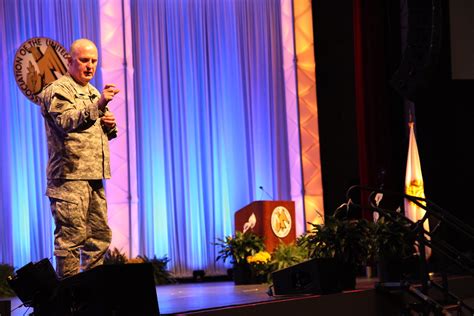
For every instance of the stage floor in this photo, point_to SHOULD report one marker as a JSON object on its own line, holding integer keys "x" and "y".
{"x": 188, "y": 297}
{"x": 183, "y": 298}
{"x": 225, "y": 298}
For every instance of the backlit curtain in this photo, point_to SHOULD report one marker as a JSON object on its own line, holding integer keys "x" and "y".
{"x": 210, "y": 130}
{"x": 211, "y": 124}
{"x": 26, "y": 227}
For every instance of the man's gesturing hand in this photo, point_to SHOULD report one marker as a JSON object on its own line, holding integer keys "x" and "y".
{"x": 108, "y": 119}
{"x": 107, "y": 95}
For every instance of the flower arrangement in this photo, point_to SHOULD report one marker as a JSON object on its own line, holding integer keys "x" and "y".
{"x": 238, "y": 247}
{"x": 261, "y": 257}
{"x": 260, "y": 263}
{"x": 252, "y": 263}
{"x": 246, "y": 251}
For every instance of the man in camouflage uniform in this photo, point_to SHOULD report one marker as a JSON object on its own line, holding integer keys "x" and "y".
{"x": 78, "y": 128}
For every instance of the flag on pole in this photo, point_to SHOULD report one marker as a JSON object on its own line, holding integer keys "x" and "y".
{"x": 414, "y": 184}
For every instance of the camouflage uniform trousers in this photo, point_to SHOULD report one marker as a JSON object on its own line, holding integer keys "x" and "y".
{"x": 79, "y": 209}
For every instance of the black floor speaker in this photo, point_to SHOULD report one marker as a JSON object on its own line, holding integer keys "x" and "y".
{"x": 107, "y": 290}
{"x": 315, "y": 276}
{"x": 5, "y": 308}
{"x": 35, "y": 282}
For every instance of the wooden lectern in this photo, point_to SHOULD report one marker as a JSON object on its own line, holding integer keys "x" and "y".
{"x": 272, "y": 220}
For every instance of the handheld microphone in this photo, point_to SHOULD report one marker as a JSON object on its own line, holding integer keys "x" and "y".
{"x": 268, "y": 194}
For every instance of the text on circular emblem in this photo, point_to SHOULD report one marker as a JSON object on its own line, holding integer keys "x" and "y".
{"x": 38, "y": 62}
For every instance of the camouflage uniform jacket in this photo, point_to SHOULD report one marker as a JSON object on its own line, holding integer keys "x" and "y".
{"x": 78, "y": 146}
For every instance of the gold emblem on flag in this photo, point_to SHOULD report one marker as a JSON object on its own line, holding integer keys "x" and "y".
{"x": 415, "y": 189}
{"x": 38, "y": 62}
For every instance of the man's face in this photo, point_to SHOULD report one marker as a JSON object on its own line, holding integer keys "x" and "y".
{"x": 83, "y": 63}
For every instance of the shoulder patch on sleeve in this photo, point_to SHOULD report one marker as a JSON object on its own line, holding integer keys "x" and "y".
{"x": 60, "y": 97}
{"x": 61, "y": 92}
{"x": 59, "y": 100}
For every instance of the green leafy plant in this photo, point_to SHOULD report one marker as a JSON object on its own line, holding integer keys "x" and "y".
{"x": 348, "y": 240}
{"x": 160, "y": 272}
{"x": 286, "y": 255}
{"x": 394, "y": 236}
{"x": 238, "y": 247}
{"x": 304, "y": 242}
{"x": 395, "y": 251}
{"x": 115, "y": 257}
{"x": 5, "y": 289}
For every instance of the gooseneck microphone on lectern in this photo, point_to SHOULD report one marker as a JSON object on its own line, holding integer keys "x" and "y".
{"x": 268, "y": 194}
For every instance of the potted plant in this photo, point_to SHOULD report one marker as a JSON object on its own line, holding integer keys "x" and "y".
{"x": 115, "y": 256}
{"x": 394, "y": 239}
{"x": 6, "y": 271}
{"x": 160, "y": 272}
{"x": 286, "y": 255}
{"x": 260, "y": 265}
{"x": 237, "y": 248}
{"x": 347, "y": 241}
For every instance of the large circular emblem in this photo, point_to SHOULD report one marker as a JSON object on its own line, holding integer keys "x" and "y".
{"x": 281, "y": 221}
{"x": 38, "y": 62}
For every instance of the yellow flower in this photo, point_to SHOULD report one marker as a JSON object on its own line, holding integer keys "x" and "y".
{"x": 260, "y": 257}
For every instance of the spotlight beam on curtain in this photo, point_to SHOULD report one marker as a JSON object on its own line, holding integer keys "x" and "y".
{"x": 211, "y": 122}
{"x": 26, "y": 229}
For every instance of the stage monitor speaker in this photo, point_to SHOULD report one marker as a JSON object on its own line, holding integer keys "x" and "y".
{"x": 5, "y": 308}
{"x": 315, "y": 276}
{"x": 35, "y": 282}
{"x": 422, "y": 28}
{"x": 111, "y": 290}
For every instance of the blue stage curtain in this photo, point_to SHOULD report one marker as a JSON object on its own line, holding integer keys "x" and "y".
{"x": 26, "y": 227}
{"x": 211, "y": 121}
